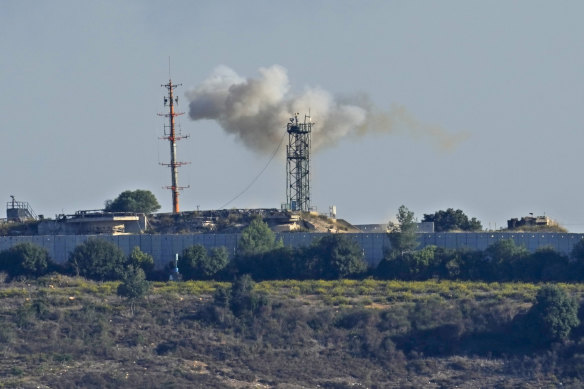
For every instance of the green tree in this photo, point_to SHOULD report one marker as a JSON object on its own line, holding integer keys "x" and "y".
{"x": 337, "y": 257}
{"x": 141, "y": 201}
{"x": 189, "y": 263}
{"x": 141, "y": 259}
{"x": 257, "y": 238}
{"x": 25, "y": 259}
{"x": 134, "y": 285}
{"x": 412, "y": 265}
{"x": 553, "y": 315}
{"x": 244, "y": 301}
{"x": 98, "y": 259}
{"x": 452, "y": 220}
{"x": 196, "y": 263}
{"x": 504, "y": 261}
{"x": 403, "y": 234}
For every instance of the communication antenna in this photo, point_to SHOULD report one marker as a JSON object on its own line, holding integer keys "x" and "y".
{"x": 298, "y": 164}
{"x": 172, "y": 135}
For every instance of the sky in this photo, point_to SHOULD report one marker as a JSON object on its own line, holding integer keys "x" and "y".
{"x": 501, "y": 82}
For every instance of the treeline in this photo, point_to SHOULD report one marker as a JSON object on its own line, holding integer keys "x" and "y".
{"x": 333, "y": 256}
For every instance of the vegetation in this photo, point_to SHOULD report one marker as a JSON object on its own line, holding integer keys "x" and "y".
{"x": 134, "y": 285}
{"x": 61, "y": 332}
{"x": 98, "y": 260}
{"x": 140, "y": 259}
{"x": 452, "y": 220}
{"x": 25, "y": 259}
{"x": 140, "y": 201}
{"x": 257, "y": 239}
{"x": 336, "y": 257}
{"x": 196, "y": 264}
{"x": 553, "y": 315}
{"x": 403, "y": 234}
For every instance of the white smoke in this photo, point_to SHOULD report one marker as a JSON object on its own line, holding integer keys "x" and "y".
{"x": 256, "y": 111}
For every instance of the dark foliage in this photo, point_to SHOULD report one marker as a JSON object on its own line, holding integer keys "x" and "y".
{"x": 335, "y": 256}
{"x": 98, "y": 260}
{"x": 144, "y": 261}
{"x": 552, "y": 317}
{"x": 196, "y": 263}
{"x": 452, "y": 220}
{"x": 26, "y": 259}
{"x": 256, "y": 239}
{"x": 134, "y": 284}
{"x": 141, "y": 201}
{"x": 503, "y": 261}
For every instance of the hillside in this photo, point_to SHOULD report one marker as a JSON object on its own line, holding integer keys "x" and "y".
{"x": 62, "y": 332}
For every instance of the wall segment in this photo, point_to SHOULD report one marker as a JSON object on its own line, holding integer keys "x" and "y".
{"x": 164, "y": 247}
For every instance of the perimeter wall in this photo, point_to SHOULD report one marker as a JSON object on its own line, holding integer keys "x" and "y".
{"x": 164, "y": 247}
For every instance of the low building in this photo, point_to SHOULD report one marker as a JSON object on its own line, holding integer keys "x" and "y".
{"x": 531, "y": 221}
{"x": 95, "y": 222}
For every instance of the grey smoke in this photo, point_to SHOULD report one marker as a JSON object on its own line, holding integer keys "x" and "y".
{"x": 256, "y": 111}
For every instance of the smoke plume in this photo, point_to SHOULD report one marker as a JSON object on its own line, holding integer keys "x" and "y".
{"x": 256, "y": 111}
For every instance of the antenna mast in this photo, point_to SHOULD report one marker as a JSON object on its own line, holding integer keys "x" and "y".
{"x": 172, "y": 135}
{"x": 298, "y": 164}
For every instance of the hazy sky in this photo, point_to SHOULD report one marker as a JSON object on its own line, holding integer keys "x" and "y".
{"x": 504, "y": 80}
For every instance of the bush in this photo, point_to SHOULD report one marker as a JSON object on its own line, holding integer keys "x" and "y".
{"x": 257, "y": 238}
{"x": 196, "y": 264}
{"x": 552, "y": 317}
{"x": 140, "y": 259}
{"x": 413, "y": 265}
{"x": 336, "y": 257}
{"x": 142, "y": 201}
{"x": 25, "y": 259}
{"x": 243, "y": 299}
{"x": 98, "y": 260}
{"x": 134, "y": 284}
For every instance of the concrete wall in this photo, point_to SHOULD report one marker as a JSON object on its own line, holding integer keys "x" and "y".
{"x": 164, "y": 247}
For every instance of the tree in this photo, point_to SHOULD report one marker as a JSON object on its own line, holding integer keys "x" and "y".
{"x": 452, "y": 220}
{"x": 504, "y": 261}
{"x": 257, "y": 238}
{"x": 140, "y": 201}
{"x": 98, "y": 260}
{"x": 141, "y": 259}
{"x": 412, "y": 265}
{"x": 403, "y": 234}
{"x": 134, "y": 284}
{"x": 25, "y": 259}
{"x": 196, "y": 263}
{"x": 553, "y": 315}
{"x": 244, "y": 301}
{"x": 338, "y": 257}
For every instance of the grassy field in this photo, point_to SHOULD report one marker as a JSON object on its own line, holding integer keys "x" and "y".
{"x": 63, "y": 332}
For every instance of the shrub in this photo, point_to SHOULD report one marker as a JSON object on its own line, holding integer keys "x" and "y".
{"x": 552, "y": 317}
{"x": 141, "y": 259}
{"x": 335, "y": 256}
{"x": 98, "y": 259}
{"x": 257, "y": 238}
{"x": 25, "y": 259}
{"x": 133, "y": 201}
{"x": 244, "y": 300}
{"x": 134, "y": 284}
{"x": 196, "y": 263}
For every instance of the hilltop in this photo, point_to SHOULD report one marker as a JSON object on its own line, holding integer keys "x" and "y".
{"x": 235, "y": 220}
